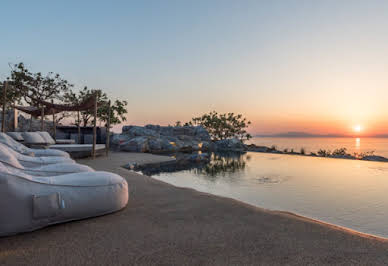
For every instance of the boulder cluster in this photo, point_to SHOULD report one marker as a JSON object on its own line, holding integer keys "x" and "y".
{"x": 169, "y": 139}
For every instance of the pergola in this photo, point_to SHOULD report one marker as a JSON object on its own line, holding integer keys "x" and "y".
{"x": 52, "y": 109}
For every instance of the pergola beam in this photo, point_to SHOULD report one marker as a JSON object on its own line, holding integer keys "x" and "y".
{"x": 5, "y": 85}
{"x": 94, "y": 126}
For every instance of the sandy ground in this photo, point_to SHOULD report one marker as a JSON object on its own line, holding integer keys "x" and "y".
{"x": 166, "y": 225}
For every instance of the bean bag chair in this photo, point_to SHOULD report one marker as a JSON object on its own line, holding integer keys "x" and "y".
{"x": 29, "y": 202}
{"x": 16, "y": 136}
{"x": 31, "y": 161}
{"x": 46, "y": 137}
{"x": 8, "y": 158}
{"x": 20, "y": 148}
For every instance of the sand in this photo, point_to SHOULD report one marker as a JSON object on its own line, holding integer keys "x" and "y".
{"x": 166, "y": 225}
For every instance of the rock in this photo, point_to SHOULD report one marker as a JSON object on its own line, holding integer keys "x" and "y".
{"x": 164, "y": 139}
{"x": 185, "y": 159}
{"x": 168, "y": 146}
{"x": 137, "y": 144}
{"x": 119, "y": 139}
{"x": 162, "y": 145}
{"x": 131, "y": 165}
{"x": 342, "y": 156}
{"x": 166, "y": 131}
{"x": 201, "y": 133}
{"x": 199, "y": 157}
{"x": 155, "y": 128}
{"x": 253, "y": 147}
{"x": 206, "y": 146}
{"x": 230, "y": 145}
{"x": 155, "y": 145}
{"x": 136, "y": 131}
{"x": 374, "y": 158}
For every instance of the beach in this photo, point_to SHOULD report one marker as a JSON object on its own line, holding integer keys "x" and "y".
{"x": 167, "y": 225}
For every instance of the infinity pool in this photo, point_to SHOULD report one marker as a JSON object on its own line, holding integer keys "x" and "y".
{"x": 348, "y": 193}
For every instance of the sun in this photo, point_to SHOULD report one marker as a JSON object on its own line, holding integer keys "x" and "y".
{"x": 357, "y": 128}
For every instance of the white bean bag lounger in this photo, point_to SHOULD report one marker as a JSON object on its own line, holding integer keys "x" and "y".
{"x": 28, "y": 202}
{"x": 8, "y": 158}
{"x": 16, "y": 146}
{"x": 30, "y": 161}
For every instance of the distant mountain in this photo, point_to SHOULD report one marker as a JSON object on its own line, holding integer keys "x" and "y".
{"x": 293, "y": 134}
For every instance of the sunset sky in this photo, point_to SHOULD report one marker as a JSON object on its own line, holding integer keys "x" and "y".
{"x": 313, "y": 66}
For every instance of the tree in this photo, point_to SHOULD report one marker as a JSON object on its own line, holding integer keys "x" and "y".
{"x": 223, "y": 126}
{"x": 38, "y": 86}
{"x": 117, "y": 111}
{"x": 12, "y": 95}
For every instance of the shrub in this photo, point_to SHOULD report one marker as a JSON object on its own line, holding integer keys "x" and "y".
{"x": 324, "y": 153}
{"x": 339, "y": 152}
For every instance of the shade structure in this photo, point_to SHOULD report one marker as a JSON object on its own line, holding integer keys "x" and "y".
{"x": 35, "y": 111}
{"x": 87, "y": 104}
{"x": 52, "y": 108}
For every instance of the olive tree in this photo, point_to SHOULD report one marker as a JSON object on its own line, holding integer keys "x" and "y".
{"x": 223, "y": 126}
{"x": 38, "y": 86}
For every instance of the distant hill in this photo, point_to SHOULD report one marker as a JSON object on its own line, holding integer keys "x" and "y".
{"x": 293, "y": 134}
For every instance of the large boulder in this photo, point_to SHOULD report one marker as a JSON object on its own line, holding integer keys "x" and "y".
{"x": 137, "y": 144}
{"x": 136, "y": 131}
{"x": 117, "y": 140}
{"x": 201, "y": 133}
{"x": 164, "y": 139}
{"x": 230, "y": 145}
{"x": 162, "y": 145}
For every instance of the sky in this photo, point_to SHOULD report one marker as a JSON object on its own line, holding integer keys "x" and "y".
{"x": 312, "y": 66}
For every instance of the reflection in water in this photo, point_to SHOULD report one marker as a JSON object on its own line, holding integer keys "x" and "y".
{"x": 221, "y": 164}
{"x": 358, "y": 143}
{"x": 348, "y": 193}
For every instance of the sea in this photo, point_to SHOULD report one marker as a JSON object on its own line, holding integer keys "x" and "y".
{"x": 379, "y": 146}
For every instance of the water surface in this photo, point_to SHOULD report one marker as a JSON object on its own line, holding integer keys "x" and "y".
{"x": 348, "y": 193}
{"x": 378, "y": 145}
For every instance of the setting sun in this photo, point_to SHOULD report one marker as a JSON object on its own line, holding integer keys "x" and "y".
{"x": 357, "y": 128}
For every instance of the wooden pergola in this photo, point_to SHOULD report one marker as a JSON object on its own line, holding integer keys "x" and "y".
{"x": 51, "y": 108}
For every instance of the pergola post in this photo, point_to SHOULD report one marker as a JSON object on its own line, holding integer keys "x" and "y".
{"x": 15, "y": 119}
{"x": 54, "y": 123}
{"x": 42, "y": 119}
{"x": 94, "y": 127}
{"x": 31, "y": 117}
{"x": 79, "y": 127}
{"x": 5, "y": 85}
{"x": 108, "y": 130}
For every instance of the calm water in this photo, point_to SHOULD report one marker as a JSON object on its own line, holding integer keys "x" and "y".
{"x": 348, "y": 193}
{"x": 378, "y": 145}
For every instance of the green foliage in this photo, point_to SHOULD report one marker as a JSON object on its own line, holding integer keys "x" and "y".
{"x": 302, "y": 151}
{"x": 360, "y": 155}
{"x": 324, "y": 153}
{"x": 12, "y": 95}
{"x": 117, "y": 110}
{"x": 223, "y": 126}
{"x": 339, "y": 152}
{"x": 178, "y": 124}
{"x": 36, "y": 85}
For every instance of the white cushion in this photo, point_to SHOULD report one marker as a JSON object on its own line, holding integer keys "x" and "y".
{"x": 46, "y": 136}
{"x": 16, "y": 135}
{"x": 33, "y": 138}
{"x": 29, "y": 202}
